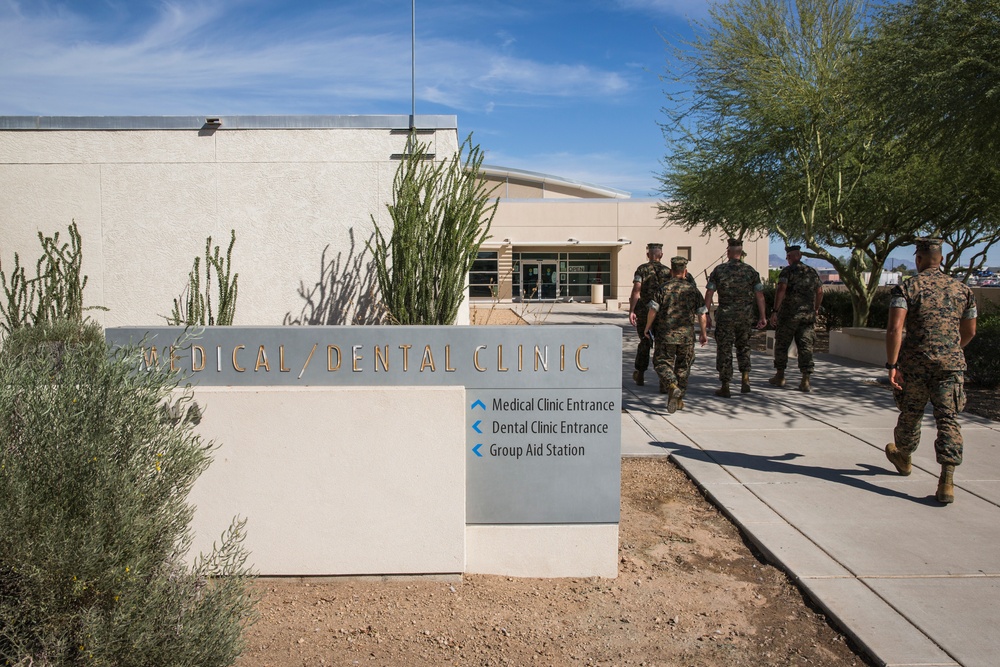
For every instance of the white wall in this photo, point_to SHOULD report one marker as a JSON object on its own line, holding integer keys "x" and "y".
{"x": 146, "y": 199}
{"x": 336, "y": 481}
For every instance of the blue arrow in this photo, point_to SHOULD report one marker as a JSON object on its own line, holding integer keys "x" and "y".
{"x": 475, "y": 450}
{"x": 479, "y": 403}
{"x": 475, "y": 427}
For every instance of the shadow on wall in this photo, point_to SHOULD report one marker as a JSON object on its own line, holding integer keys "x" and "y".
{"x": 344, "y": 293}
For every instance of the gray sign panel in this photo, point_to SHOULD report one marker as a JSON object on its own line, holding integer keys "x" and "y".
{"x": 544, "y": 403}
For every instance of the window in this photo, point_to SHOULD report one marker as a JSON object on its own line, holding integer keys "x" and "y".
{"x": 483, "y": 276}
{"x": 583, "y": 269}
{"x": 684, "y": 251}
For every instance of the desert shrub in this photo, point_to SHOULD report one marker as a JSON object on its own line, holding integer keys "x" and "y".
{"x": 769, "y": 290}
{"x": 837, "y": 310}
{"x": 878, "y": 313}
{"x": 54, "y": 293}
{"x": 441, "y": 214}
{"x": 194, "y": 306}
{"x": 94, "y": 476}
{"x": 982, "y": 354}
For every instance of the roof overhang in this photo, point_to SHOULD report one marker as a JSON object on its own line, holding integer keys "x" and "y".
{"x": 555, "y": 244}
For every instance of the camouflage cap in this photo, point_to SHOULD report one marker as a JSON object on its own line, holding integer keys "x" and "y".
{"x": 678, "y": 262}
{"x": 792, "y": 248}
{"x": 654, "y": 246}
{"x": 735, "y": 242}
{"x": 927, "y": 245}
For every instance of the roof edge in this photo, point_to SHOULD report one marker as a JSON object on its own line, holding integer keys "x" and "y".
{"x": 602, "y": 190}
{"x": 389, "y": 122}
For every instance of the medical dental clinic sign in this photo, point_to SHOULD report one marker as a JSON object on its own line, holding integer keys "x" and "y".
{"x": 543, "y": 403}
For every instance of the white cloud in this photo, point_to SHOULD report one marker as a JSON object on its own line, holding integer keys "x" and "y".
{"x": 186, "y": 57}
{"x": 688, "y": 8}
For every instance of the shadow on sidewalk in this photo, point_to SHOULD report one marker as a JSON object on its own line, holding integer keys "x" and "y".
{"x": 783, "y": 465}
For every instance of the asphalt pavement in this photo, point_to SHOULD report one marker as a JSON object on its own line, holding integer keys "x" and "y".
{"x": 805, "y": 477}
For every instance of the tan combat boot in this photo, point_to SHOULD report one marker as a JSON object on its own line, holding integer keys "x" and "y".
{"x": 723, "y": 391}
{"x": 745, "y": 386}
{"x": 680, "y": 403}
{"x": 804, "y": 383}
{"x": 779, "y": 378}
{"x": 946, "y": 485}
{"x": 673, "y": 396}
{"x": 898, "y": 459}
{"x": 639, "y": 379}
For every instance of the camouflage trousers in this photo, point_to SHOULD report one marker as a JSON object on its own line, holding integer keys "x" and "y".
{"x": 642, "y": 354}
{"x": 731, "y": 332}
{"x": 804, "y": 334}
{"x": 946, "y": 392}
{"x": 672, "y": 362}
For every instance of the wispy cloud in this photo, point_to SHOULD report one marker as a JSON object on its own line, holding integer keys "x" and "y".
{"x": 186, "y": 56}
{"x": 684, "y": 8}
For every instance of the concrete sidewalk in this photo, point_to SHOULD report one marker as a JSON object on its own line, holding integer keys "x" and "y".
{"x": 806, "y": 479}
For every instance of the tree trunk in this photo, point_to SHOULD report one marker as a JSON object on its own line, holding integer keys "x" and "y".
{"x": 861, "y": 302}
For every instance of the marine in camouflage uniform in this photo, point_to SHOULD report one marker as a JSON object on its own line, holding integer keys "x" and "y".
{"x": 648, "y": 278}
{"x": 939, "y": 316}
{"x": 674, "y": 308}
{"x": 796, "y": 304}
{"x": 739, "y": 286}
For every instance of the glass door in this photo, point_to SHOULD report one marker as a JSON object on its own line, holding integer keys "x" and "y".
{"x": 539, "y": 280}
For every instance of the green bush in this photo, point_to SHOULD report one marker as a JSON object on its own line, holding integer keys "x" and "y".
{"x": 194, "y": 306}
{"x": 982, "y": 354}
{"x": 94, "y": 475}
{"x": 837, "y": 310}
{"x": 56, "y": 291}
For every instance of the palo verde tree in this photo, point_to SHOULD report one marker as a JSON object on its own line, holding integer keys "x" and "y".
{"x": 929, "y": 66}
{"x": 776, "y": 136}
{"x": 441, "y": 213}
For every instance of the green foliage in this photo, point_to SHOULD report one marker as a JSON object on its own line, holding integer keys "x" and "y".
{"x": 782, "y": 132}
{"x": 94, "y": 477}
{"x": 441, "y": 214}
{"x": 837, "y": 310}
{"x": 982, "y": 354}
{"x": 194, "y": 307}
{"x": 770, "y": 288}
{"x": 56, "y": 291}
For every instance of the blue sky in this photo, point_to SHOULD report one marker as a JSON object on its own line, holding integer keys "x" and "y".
{"x": 566, "y": 87}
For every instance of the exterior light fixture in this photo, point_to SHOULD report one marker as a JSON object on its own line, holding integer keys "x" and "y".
{"x": 213, "y": 122}
{"x": 572, "y": 240}
{"x": 625, "y": 241}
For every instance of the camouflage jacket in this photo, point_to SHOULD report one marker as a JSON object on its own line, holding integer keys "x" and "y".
{"x": 801, "y": 283}
{"x": 677, "y": 303}
{"x": 651, "y": 275}
{"x": 935, "y": 305}
{"x": 736, "y": 284}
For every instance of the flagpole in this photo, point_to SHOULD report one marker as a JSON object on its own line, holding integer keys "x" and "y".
{"x": 413, "y": 64}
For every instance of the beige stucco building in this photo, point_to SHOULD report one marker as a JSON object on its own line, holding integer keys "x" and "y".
{"x": 553, "y": 238}
{"x": 301, "y": 193}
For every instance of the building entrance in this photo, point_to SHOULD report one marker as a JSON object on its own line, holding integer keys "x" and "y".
{"x": 539, "y": 280}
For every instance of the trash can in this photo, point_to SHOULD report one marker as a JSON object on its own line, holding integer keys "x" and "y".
{"x": 597, "y": 293}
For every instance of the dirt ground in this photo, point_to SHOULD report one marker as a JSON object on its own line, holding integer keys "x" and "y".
{"x": 689, "y": 592}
